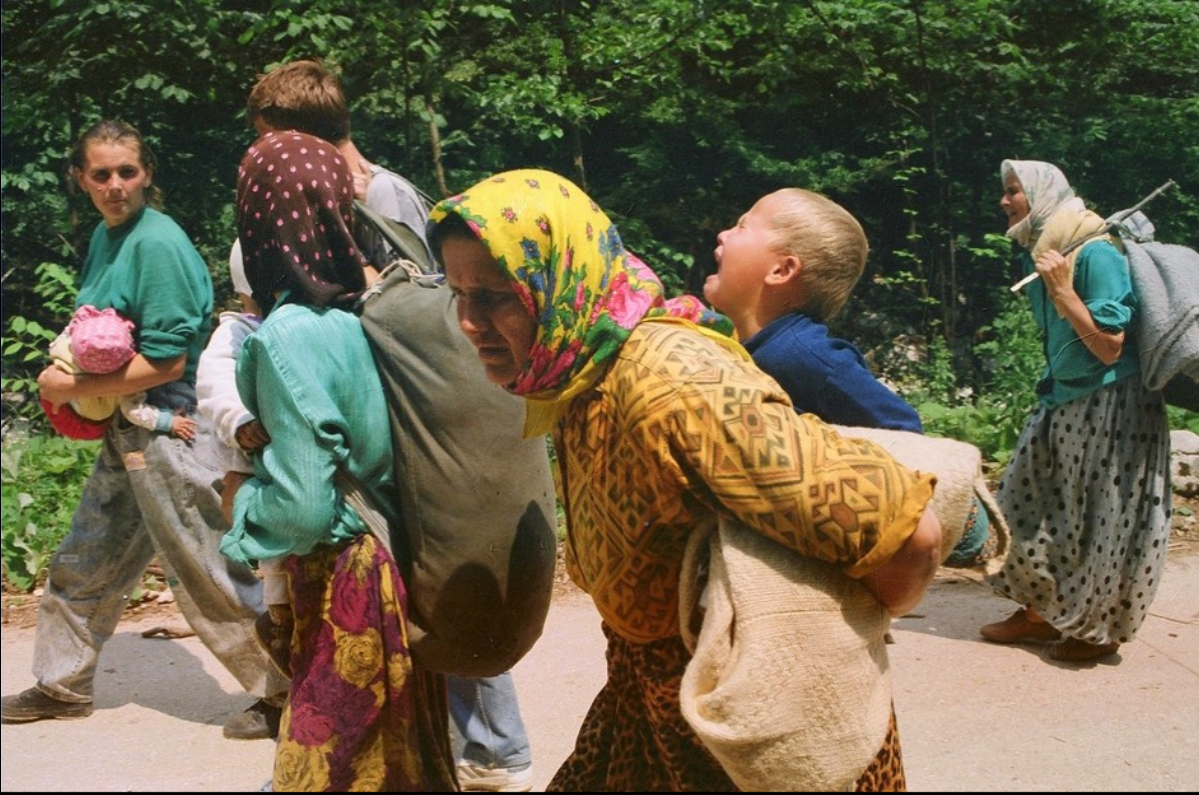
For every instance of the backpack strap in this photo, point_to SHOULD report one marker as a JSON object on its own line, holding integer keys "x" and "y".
{"x": 402, "y": 238}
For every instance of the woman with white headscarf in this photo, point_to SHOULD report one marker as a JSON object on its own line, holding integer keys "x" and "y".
{"x": 1087, "y": 492}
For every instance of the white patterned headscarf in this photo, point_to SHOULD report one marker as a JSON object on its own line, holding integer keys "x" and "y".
{"x": 1047, "y": 190}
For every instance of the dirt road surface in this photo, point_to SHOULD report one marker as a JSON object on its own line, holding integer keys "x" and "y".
{"x": 973, "y": 716}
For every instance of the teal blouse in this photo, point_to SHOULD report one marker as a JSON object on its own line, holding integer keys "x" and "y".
{"x": 308, "y": 375}
{"x": 148, "y": 270}
{"x": 1102, "y": 280}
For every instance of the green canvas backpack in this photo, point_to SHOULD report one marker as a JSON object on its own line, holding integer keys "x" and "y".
{"x": 478, "y": 539}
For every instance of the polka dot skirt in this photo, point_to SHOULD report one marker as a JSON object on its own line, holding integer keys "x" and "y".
{"x": 1087, "y": 496}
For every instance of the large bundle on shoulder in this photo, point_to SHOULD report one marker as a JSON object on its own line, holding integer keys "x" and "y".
{"x": 961, "y": 486}
{"x": 478, "y": 541}
{"x": 1165, "y": 278}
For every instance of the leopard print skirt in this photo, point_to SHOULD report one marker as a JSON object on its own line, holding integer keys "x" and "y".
{"x": 635, "y": 739}
{"x": 885, "y": 773}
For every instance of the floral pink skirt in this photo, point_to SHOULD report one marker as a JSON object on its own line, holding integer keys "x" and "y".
{"x": 360, "y": 714}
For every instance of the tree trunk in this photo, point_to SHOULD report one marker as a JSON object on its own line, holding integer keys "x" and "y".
{"x": 576, "y": 154}
{"x": 435, "y": 146}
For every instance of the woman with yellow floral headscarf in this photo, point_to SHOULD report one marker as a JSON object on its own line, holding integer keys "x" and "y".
{"x": 360, "y": 716}
{"x": 660, "y": 422}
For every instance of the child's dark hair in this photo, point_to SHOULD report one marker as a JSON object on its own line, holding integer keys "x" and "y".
{"x": 303, "y": 96}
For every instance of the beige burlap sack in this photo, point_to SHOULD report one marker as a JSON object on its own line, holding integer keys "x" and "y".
{"x": 789, "y": 686}
{"x": 958, "y": 467}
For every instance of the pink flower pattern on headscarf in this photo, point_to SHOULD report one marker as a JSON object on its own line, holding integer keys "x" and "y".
{"x": 573, "y": 273}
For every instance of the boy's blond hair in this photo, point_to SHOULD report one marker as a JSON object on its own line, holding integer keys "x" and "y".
{"x": 302, "y": 96}
{"x": 831, "y": 244}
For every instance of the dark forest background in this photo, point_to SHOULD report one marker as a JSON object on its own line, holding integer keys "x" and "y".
{"x": 675, "y": 116}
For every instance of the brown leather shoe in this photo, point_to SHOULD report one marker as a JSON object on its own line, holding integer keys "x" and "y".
{"x": 1017, "y": 628}
{"x": 1075, "y": 650}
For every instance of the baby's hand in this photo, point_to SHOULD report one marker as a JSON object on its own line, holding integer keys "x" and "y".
{"x": 251, "y": 436}
{"x": 183, "y": 428}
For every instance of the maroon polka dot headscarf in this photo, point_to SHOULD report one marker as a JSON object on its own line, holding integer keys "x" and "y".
{"x": 295, "y": 200}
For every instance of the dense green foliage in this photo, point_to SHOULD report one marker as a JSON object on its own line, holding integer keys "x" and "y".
{"x": 42, "y": 479}
{"x": 674, "y": 114}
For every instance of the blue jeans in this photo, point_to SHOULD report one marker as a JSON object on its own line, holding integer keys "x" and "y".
{"x": 149, "y": 494}
{"x": 487, "y": 717}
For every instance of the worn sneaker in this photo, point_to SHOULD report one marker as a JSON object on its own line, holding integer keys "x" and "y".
{"x": 275, "y": 640}
{"x": 480, "y": 778}
{"x": 260, "y": 721}
{"x": 33, "y": 704}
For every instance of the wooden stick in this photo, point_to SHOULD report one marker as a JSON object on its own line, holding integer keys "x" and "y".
{"x": 1115, "y": 220}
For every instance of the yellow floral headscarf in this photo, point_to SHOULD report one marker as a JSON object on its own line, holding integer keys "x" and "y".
{"x": 573, "y": 274}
